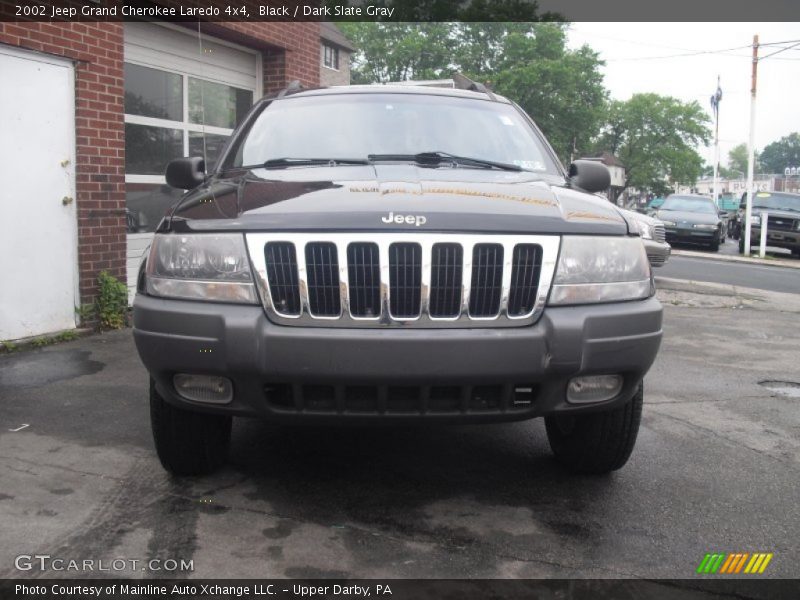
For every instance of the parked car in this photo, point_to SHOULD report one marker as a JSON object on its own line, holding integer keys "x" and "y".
{"x": 653, "y": 205}
{"x": 653, "y": 235}
{"x": 783, "y": 227}
{"x": 692, "y": 219}
{"x": 394, "y": 254}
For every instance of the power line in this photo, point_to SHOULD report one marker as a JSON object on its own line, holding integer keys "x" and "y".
{"x": 781, "y": 50}
{"x": 685, "y": 54}
{"x": 721, "y": 51}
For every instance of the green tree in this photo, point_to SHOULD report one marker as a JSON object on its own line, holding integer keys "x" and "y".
{"x": 781, "y": 154}
{"x": 737, "y": 160}
{"x": 562, "y": 89}
{"x": 655, "y": 138}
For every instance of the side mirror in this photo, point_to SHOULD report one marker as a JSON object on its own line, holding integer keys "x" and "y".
{"x": 723, "y": 213}
{"x": 186, "y": 173}
{"x": 589, "y": 175}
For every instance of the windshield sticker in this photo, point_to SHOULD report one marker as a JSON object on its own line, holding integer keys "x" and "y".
{"x": 763, "y": 195}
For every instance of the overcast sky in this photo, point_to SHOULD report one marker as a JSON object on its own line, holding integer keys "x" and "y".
{"x": 627, "y": 49}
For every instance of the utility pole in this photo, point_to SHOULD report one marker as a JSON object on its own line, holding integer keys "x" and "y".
{"x": 751, "y": 150}
{"x": 715, "y": 100}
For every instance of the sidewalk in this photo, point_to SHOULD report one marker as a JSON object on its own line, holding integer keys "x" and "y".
{"x": 773, "y": 262}
{"x": 704, "y": 294}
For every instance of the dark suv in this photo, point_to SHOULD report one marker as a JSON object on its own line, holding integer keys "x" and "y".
{"x": 783, "y": 228}
{"x": 395, "y": 254}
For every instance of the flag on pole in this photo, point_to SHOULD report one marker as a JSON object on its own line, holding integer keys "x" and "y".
{"x": 716, "y": 99}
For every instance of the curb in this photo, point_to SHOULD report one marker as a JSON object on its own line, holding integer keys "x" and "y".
{"x": 40, "y": 341}
{"x": 780, "y": 301}
{"x": 778, "y": 262}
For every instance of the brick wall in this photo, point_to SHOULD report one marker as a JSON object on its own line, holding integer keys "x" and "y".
{"x": 290, "y": 51}
{"x": 341, "y": 76}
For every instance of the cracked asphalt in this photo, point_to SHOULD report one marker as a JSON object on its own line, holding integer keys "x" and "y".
{"x": 716, "y": 469}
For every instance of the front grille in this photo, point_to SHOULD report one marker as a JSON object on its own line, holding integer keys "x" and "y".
{"x": 660, "y": 234}
{"x": 322, "y": 268}
{"x": 408, "y": 400}
{"x": 364, "y": 275}
{"x": 525, "y": 269}
{"x": 403, "y": 279}
{"x": 781, "y": 223}
{"x": 446, "y": 264}
{"x": 487, "y": 279}
{"x": 656, "y": 259}
{"x": 281, "y": 260}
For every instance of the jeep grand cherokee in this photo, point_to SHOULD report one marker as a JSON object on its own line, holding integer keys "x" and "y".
{"x": 394, "y": 254}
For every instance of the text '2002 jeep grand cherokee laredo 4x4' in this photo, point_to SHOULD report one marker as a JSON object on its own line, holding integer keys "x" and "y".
{"x": 395, "y": 254}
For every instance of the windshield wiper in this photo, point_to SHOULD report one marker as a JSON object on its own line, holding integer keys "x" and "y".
{"x": 437, "y": 158}
{"x": 279, "y": 163}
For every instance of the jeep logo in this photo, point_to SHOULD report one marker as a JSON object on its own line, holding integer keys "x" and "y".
{"x": 408, "y": 219}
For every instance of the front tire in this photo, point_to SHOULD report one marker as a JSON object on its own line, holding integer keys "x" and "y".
{"x": 596, "y": 443}
{"x": 188, "y": 443}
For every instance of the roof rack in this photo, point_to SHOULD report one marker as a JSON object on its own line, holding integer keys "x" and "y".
{"x": 293, "y": 87}
{"x": 462, "y": 82}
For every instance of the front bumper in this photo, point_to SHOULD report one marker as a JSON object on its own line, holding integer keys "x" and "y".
{"x": 790, "y": 240}
{"x": 657, "y": 252}
{"x": 691, "y": 236}
{"x": 359, "y": 374}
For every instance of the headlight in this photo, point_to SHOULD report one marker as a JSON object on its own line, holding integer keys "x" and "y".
{"x": 668, "y": 223}
{"x": 704, "y": 226}
{"x": 204, "y": 266}
{"x": 646, "y": 230}
{"x": 601, "y": 269}
{"x": 755, "y": 219}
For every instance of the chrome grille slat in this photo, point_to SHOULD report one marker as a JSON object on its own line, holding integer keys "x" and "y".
{"x": 322, "y": 279}
{"x": 403, "y": 279}
{"x": 282, "y": 273}
{"x": 487, "y": 279}
{"x": 364, "y": 271}
{"x": 525, "y": 269}
{"x": 660, "y": 233}
{"x": 445, "y": 295}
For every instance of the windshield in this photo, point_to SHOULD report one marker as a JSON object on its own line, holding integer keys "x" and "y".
{"x": 355, "y": 126}
{"x": 689, "y": 204}
{"x": 776, "y": 201}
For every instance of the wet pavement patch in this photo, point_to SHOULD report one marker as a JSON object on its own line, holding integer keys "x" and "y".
{"x": 785, "y": 388}
{"x": 37, "y": 368}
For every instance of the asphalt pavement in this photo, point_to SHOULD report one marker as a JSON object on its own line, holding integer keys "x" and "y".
{"x": 715, "y": 470}
{"x": 698, "y": 264}
{"x": 758, "y": 276}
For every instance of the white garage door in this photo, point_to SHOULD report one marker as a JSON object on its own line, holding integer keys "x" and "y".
{"x": 38, "y": 224}
{"x": 184, "y": 94}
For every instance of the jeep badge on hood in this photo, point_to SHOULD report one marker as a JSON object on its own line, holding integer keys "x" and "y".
{"x": 410, "y": 219}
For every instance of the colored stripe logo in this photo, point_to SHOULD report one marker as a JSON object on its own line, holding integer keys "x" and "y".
{"x": 734, "y": 563}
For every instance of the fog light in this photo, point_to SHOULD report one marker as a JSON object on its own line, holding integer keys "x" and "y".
{"x": 593, "y": 388}
{"x": 204, "y": 388}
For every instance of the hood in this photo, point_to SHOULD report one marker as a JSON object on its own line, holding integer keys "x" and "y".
{"x": 773, "y": 212}
{"x": 677, "y": 216}
{"x": 392, "y": 197}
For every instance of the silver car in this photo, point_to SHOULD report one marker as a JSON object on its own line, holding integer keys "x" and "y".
{"x": 653, "y": 235}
